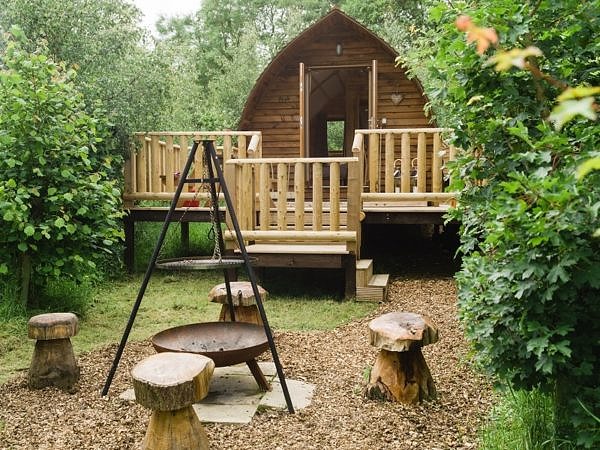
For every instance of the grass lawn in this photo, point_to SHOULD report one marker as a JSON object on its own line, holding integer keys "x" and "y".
{"x": 171, "y": 299}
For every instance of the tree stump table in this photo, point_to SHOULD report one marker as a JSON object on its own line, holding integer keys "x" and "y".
{"x": 53, "y": 362}
{"x": 169, "y": 384}
{"x": 244, "y": 303}
{"x": 245, "y": 310}
{"x": 400, "y": 372}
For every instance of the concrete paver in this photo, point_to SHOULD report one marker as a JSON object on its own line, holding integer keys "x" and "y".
{"x": 234, "y": 395}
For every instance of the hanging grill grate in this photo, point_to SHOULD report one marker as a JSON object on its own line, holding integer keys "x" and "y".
{"x": 199, "y": 263}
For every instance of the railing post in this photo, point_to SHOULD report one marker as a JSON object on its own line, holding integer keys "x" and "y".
{"x": 155, "y": 183}
{"x": 354, "y": 206}
{"x": 405, "y": 163}
{"x": 227, "y": 149}
{"x": 247, "y": 202}
{"x": 389, "y": 162}
{"x": 317, "y": 206}
{"x": 358, "y": 151}
{"x": 421, "y": 163}
{"x": 436, "y": 164}
{"x": 264, "y": 197}
{"x": 169, "y": 172}
{"x": 183, "y": 153}
{"x": 242, "y": 153}
{"x": 299, "y": 196}
{"x": 374, "y": 165}
{"x": 141, "y": 165}
{"x": 334, "y": 196}
{"x": 230, "y": 174}
{"x": 282, "y": 187}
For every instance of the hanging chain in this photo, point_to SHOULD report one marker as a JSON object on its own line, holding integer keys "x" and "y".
{"x": 212, "y": 232}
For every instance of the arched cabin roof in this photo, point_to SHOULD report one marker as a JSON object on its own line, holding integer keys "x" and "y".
{"x": 335, "y": 19}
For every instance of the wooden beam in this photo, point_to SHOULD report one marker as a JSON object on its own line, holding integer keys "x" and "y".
{"x": 341, "y": 160}
{"x": 297, "y": 236}
{"x": 408, "y": 196}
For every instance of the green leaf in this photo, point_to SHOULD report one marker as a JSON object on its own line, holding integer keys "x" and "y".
{"x": 29, "y": 230}
{"x": 563, "y": 347}
{"x": 22, "y": 246}
{"x": 59, "y": 222}
{"x": 566, "y": 111}
{"x": 3, "y": 269}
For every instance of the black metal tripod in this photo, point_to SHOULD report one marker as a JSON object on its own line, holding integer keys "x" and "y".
{"x": 212, "y": 161}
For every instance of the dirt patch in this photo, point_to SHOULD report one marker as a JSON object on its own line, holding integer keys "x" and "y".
{"x": 338, "y": 418}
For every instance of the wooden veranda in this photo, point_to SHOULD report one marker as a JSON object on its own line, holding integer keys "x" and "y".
{"x": 298, "y": 212}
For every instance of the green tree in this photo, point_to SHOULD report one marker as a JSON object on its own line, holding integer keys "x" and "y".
{"x": 529, "y": 287}
{"x": 58, "y": 210}
{"x": 113, "y": 56}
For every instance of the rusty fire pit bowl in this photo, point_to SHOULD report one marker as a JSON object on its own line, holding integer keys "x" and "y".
{"x": 226, "y": 343}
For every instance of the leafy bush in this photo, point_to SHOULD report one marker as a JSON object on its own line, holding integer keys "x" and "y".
{"x": 59, "y": 212}
{"x": 529, "y": 288}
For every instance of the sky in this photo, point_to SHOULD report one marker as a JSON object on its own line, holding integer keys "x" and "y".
{"x": 153, "y": 9}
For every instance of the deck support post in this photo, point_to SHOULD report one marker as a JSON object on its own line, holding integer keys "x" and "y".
{"x": 185, "y": 237}
{"x": 129, "y": 251}
{"x": 349, "y": 267}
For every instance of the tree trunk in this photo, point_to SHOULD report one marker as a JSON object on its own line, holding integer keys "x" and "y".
{"x": 53, "y": 364}
{"x": 562, "y": 417}
{"x": 175, "y": 430}
{"x": 25, "y": 279}
{"x": 400, "y": 377}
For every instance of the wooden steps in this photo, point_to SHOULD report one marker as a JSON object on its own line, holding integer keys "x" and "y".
{"x": 370, "y": 287}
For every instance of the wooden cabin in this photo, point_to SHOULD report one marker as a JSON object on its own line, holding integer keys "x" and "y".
{"x": 334, "y": 73}
{"x": 332, "y": 135}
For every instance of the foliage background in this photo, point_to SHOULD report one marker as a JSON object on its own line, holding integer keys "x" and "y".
{"x": 529, "y": 287}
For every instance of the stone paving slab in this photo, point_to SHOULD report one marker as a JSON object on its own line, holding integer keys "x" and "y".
{"x": 225, "y": 413}
{"x": 301, "y": 394}
{"x": 234, "y": 395}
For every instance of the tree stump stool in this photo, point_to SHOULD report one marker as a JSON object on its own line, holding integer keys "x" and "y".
{"x": 400, "y": 372}
{"x": 244, "y": 303}
{"x": 53, "y": 362}
{"x": 169, "y": 384}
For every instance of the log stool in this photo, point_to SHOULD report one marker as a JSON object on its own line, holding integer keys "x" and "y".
{"x": 169, "y": 384}
{"x": 53, "y": 362}
{"x": 244, "y": 303}
{"x": 400, "y": 372}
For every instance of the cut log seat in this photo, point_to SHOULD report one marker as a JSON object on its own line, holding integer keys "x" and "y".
{"x": 400, "y": 372}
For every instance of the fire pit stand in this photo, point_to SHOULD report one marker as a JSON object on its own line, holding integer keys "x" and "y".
{"x": 216, "y": 262}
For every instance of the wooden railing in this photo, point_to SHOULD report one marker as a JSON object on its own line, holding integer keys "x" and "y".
{"x": 299, "y": 200}
{"x": 157, "y": 158}
{"x": 403, "y": 164}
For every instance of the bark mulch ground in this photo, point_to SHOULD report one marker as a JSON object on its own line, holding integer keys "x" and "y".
{"x": 338, "y": 418}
